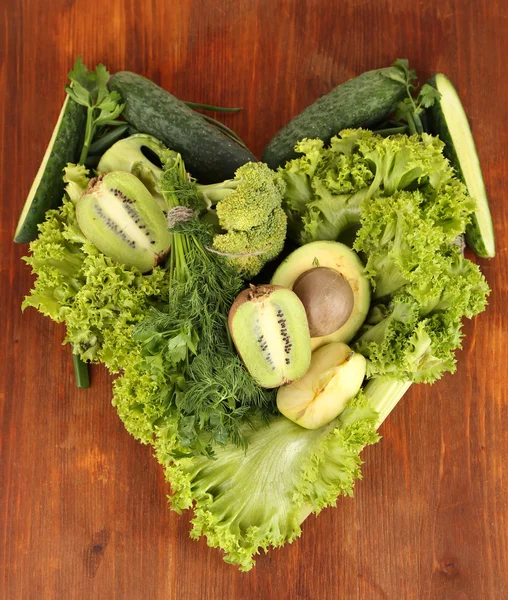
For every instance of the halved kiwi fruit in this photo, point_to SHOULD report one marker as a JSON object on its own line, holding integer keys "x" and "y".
{"x": 270, "y": 331}
{"x": 120, "y": 217}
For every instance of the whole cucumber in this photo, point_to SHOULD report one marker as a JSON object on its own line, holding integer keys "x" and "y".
{"x": 359, "y": 102}
{"x": 210, "y": 156}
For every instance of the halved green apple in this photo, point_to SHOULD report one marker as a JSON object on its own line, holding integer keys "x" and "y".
{"x": 335, "y": 376}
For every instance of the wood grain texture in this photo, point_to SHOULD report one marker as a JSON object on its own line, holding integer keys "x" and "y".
{"x": 83, "y": 513}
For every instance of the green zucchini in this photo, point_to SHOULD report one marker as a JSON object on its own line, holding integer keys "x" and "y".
{"x": 209, "y": 155}
{"x": 448, "y": 120}
{"x": 359, "y": 102}
{"x": 48, "y": 186}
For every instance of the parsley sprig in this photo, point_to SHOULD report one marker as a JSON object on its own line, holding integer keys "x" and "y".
{"x": 89, "y": 88}
{"x": 411, "y": 110}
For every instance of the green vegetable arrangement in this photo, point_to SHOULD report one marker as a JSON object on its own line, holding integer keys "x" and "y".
{"x": 251, "y": 475}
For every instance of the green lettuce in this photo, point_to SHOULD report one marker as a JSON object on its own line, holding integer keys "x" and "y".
{"x": 98, "y": 299}
{"x": 408, "y": 211}
{"x": 245, "y": 502}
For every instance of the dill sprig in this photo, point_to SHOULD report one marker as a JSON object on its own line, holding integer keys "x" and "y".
{"x": 186, "y": 346}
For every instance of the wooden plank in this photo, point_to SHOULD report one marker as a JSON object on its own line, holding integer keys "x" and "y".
{"x": 83, "y": 511}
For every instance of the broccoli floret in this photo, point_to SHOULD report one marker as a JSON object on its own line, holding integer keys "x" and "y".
{"x": 247, "y": 200}
{"x": 259, "y": 244}
{"x": 244, "y": 213}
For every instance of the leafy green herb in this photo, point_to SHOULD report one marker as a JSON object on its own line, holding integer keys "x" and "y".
{"x": 411, "y": 110}
{"x": 185, "y": 346}
{"x": 89, "y": 88}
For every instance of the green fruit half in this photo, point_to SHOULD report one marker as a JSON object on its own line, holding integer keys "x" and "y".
{"x": 269, "y": 328}
{"x": 336, "y": 256}
{"x": 121, "y": 218}
{"x": 334, "y": 377}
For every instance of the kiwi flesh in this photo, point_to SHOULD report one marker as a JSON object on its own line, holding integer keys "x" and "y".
{"x": 121, "y": 218}
{"x": 269, "y": 328}
{"x": 327, "y": 297}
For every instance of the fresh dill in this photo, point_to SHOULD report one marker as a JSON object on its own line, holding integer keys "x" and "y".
{"x": 186, "y": 346}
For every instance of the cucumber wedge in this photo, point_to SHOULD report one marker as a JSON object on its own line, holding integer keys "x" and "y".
{"x": 448, "y": 120}
{"x": 48, "y": 187}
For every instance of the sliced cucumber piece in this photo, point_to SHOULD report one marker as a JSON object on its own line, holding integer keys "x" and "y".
{"x": 449, "y": 121}
{"x": 48, "y": 186}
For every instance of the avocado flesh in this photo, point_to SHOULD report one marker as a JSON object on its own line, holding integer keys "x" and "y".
{"x": 335, "y": 256}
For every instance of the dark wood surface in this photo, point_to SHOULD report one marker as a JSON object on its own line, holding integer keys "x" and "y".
{"x": 83, "y": 511}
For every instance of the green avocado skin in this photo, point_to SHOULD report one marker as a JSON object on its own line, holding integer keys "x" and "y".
{"x": 49, "y": 193}
{"x": 209, "y": 155}
{"x": 359, "y": 102}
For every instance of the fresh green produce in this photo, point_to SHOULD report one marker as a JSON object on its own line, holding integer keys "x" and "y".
{"x": 245, "y": 502}
{"x": 121, "y": 218}
{"x": 210, "y": 154}
{"x": 105, "y": 141}
{"x": 247, "y": 213}
{"x": 98, "y": 299}
{"x": 335, "y": 376}
{"x": 270, "y": 331}
{"x": 413, "y": 333}
{"x": 140, "y": 154}
{"x": 326, "y": 186}
{"x": 359, "y": 102}
{"x": 47, "y": 188}
{"x": 342, "y": 260}
{"x": 195, "y": 376}
{"x": 250, "y": 475}
{"x": 89, "y": 89}
{"x": 411, "y": 110}
{"x": 449, "y": 121}
{"x": 89, "y": 113}
{"x": 410, "y": 212}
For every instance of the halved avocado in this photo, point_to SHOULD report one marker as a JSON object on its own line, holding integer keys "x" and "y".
{"x": 339, "y": 257}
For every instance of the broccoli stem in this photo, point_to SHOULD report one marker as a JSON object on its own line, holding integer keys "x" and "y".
{"x": 384, "y": 393}
{"x": 216, "y": 192}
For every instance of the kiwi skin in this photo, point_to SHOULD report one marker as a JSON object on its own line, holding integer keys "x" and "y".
{"x": 327, "y": 297}
{"x": 270, "y": 364}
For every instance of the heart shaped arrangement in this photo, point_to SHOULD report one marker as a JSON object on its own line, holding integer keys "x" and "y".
{"x": 262, "y": 318}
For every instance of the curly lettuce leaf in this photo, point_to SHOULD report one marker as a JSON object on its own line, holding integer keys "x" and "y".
{"x": 76, "y": 178}
{"x": 98, "y": 299}
{"x": 57, "y": 260}
{"x": 245, "y": 502}
{"x": 326, "y": 184}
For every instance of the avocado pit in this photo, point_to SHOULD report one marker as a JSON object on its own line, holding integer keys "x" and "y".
{"x": 327, "y": 297}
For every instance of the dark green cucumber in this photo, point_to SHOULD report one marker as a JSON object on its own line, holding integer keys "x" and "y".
{"x": 359, "y": 102}
{"x": 448, "y": 120}
{"x": 209, "y": 155}
{"x": 48, "y": 187}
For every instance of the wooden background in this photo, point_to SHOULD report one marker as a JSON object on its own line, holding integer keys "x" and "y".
{"x": 83, "y": 512}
